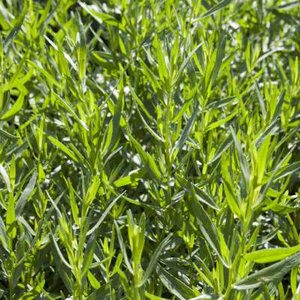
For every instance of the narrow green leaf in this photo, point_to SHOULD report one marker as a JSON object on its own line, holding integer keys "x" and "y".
{"x": 219, "y": 57}
{"x": 100, "y": 16}
{"x": 222, "y": 148}
{"x": 272, "y": 176}
{"x": 82, "y": 51}
{"x": 147, "y": 159}
{"x": 294, "y": 281}
{"x": 186, "y": 61}
{"x": 220, "y": 122}
{"x": 11, "y": 218}
{"x": 161, "y": 60}
{"x": 231, "y": 198}
{"x": 46, "y": 17}
{"x": 123, "y": 248}
{"x": 26, "y": 194}
{"x": 51, "y": 80}
{"x": 151, "y": 77}
{"x": 287, "y": 170}
{"x": 79, "y": 155}
{"x": 112, "y": 141}
{"x": 42, "y": 224}
{"x": 221, "y": 103}
{"x": 195, "y": 191}
{"x": 67, "y": 106}
{"x": 93, "y": 281}
{"x": 153, "y": 297}
{"x": 279, "y": 105}
{"x": 273, "y": 273}
{"x": 126, "y": 180}
{"x": 242, "y": 159}
{"x": 63, "y": 148}
{"x": 5, "y": 178}
{"x": 186, "y": 131}
{"x": 207, "y": 227}
{"x": 140, "y": 103}
{"x": 286, "y": 6}
{"x": 175, "y": 286}
{"x": 88, "y": 256}
{"x": 261, "y": 100}
{"x": 92, "y": 191}
{"x": 262, "y": 156}
{"x": 105, "y": 213}
{"x": 151, "y": 131}
{"x": 3, "y": 235}
{"x": 61, "y": 256}
{"x": 154, "y": 258}
{"x": 7, "y": 134}
{"x": 271, "y": 129}
{"x": 15, "y": 30}
{"x": 270, "y": 255}
{"x": 73, "y": 203}
{"x": 214, "y": 9}
{"x": 14, "y": 109}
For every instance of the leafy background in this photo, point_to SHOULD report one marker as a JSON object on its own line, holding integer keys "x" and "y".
{"x": 149, "y": 149}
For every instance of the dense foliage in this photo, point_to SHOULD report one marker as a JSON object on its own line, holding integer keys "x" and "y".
{"x": 149, "y": 149}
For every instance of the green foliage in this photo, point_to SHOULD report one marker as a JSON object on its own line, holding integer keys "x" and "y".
{"x": 149, "y": 149}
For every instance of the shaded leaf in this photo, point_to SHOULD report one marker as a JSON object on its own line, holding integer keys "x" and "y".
{"x": 273, "y": 273}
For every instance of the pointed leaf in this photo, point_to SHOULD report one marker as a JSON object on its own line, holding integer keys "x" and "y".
{"x": 14, "y": 109}
{"x": 5, "y": 178}
{"x": 104, "y": 214}
{"x": 273, "y": 273}
{"x": 270, "y": 255}
{"x": 26, "y": 194}
{"x": 214, "y": 9}
{"x": 186, "y": 131}
{"x": 154, "y": 258}
{"x": 242, "y": 159}
{"x": 175, "y": 286}
{"x": 207, "y": 227}
{"x": 63, "y": 148}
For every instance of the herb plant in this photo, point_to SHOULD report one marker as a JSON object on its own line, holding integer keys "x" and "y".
{"x": 149, "y": 149}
